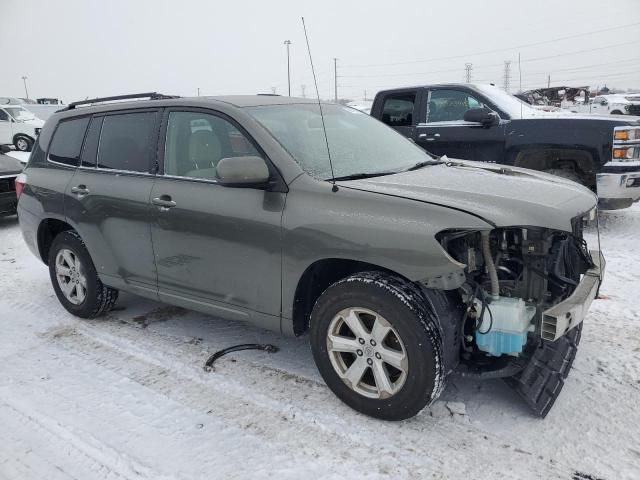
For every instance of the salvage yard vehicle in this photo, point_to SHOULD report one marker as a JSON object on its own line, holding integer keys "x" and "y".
{"x": 613, "y": 104}
{"x": 484, "y": 123}
{"x": 10, "y": 168}
{"x": 400, "y": 267}
{"x": 19, "y": 127}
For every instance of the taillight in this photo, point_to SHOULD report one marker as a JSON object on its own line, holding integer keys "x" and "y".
{"x": 21, "y": 181}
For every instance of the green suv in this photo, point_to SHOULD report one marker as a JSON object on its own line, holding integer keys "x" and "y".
{"x": 307, "y": 218}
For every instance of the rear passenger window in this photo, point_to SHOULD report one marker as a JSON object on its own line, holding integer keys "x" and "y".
{"x": 397, "y": 110}
{"x": 67, "y": 141}
{"x": 127, "y": 141}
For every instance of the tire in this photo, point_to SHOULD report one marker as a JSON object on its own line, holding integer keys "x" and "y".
{"x": 68, "y": 254}
{"x": 413, "y": 342}
{"x": 565, "y": 173}
{"x": 23, "y": 144}
{"x": 617, "y": 112}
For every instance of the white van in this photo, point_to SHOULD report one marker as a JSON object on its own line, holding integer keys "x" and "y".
{"x": 18, "y": 126}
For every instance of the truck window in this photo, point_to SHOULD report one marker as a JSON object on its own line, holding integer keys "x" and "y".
{"x": 449, "y": 105}
{"x": 67, "y": 141}
{"x": 4, "y": 117}
{"x": 397, "y": 110}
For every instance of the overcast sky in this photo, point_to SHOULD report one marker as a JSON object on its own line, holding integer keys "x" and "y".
{"x": 72, "y": 49}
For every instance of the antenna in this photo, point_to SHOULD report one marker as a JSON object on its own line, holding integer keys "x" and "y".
{"x": 520, "y": 74}
{"x": 324, "y": 128}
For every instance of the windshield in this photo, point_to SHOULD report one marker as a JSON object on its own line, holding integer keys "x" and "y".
{"x": 359, "y": 144}
{"x": 20, "y": 114}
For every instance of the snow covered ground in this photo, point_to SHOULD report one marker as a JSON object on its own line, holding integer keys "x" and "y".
{"x": 125, "y": 397}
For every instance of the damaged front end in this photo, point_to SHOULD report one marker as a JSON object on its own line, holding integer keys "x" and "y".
{"x": 525, "y": 294}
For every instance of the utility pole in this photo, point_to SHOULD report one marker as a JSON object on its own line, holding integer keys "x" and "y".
{"x": 273, "y": 90}
{"x": 303, "y": 88}
{"x": 198, "y": 91}
{"x": 507, "y": 75}
{"x": 288, "y": 43}
{"x": 365, "y": 95}
{"x": 468, "y": 67}
{"x": 335, "y": 79}
{"x": 24, "y": 79}
{"x": 548, "y": 81}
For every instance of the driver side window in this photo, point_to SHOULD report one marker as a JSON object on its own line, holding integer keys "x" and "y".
{"x": 449, "y": 105}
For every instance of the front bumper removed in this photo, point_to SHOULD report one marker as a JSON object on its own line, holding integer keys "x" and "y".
{"x": 559, "y": 319}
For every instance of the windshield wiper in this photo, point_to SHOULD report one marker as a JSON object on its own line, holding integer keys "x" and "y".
{"x": 424, "y": 164}
{"x": 359, "y": 176}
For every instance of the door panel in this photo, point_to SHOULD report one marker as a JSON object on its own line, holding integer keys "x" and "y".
{"x": 6, "y": 132}
{"x": 107, "y": 200}
{"x": 443, "y": 131}
{"x": 216, "y": 246}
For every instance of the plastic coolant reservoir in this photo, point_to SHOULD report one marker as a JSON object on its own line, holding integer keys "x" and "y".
{"x": 506, "y": 326}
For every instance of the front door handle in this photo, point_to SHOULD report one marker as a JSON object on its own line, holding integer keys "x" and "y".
{"x": 164, "y": 202}
{"x": 80, "y": 190}
{"x": 429, "y": 137}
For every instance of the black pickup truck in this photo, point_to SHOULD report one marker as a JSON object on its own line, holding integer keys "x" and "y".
{"x": 484, "y": 123}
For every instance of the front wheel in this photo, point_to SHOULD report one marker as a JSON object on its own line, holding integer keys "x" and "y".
{"x": 75, "y": 279}
{"x": 23, "y": 144}
{"x": 377, "y": 344}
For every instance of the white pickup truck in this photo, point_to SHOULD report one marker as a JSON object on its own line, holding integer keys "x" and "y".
{"x": 18, "y": 127}
{"x": 614, "y": 104}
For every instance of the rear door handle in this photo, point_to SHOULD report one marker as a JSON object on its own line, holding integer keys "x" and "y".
{"x": 429, "y": 137}
{"x": 164, "y": 202}
{"x": 80, "y": 190}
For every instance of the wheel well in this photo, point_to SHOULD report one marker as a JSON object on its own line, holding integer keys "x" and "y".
{"x": 22, "y": 135}
{"x": 581, "y": 161}
{"x": 47, "y": 231}
{"x": 616, "y": 112}
{"x": 316, "y": 279}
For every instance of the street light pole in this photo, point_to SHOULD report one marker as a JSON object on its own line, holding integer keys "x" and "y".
{"x": 24, "y": 79}
{"x": 288, "y": 43}
{"x": 335, "y": 79}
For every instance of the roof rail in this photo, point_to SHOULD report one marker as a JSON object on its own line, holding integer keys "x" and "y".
{"x": 149, "y": 95}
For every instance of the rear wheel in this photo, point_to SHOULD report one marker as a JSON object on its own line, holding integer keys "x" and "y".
{"x": 23, "y": 144}
{"x": 75, "y": 279}
{"x": 567, "y": 173}
{"x": 377, "y": 344}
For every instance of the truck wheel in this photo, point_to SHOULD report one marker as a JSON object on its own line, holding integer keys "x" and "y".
{"x": 23, "y": 144}
{"x": 565, "y": 173}
{"x": 377, "y": 343}
{"x": 617, "y": 112}
{"x": 75, "y": 279}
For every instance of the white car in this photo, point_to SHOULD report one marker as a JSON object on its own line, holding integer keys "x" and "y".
{"x": 18, "y": 126}
{"x": 614, "y": 104}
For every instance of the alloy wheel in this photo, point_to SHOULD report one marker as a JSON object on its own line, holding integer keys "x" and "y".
{"x": 367, "y": 353}
{"x": 70, "y": 276}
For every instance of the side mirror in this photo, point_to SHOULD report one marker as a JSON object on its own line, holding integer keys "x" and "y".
{"x": 247, "y": 171}
{"x": 482, "y": 115}
{"x": 4, "y": 149}
{"x": 603, "y": 102}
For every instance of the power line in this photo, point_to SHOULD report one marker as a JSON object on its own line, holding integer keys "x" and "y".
{"x": 506, "y": 49}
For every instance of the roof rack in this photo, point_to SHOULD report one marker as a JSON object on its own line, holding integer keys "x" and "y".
{"x": 149, "y": 95}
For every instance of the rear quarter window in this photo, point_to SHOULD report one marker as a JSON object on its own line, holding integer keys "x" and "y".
{"x": 67, "y": 141}
{"x": 127, "y": 141}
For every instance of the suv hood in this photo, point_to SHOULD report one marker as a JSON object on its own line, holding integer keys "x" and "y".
{"x": 9, "y": 165}
{"x": 501, "y": 195}
{"x": 34, "y": 122}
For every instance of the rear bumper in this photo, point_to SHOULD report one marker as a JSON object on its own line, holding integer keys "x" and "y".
{"x": 561, "y": 318}
{"x": 618, "y": 190}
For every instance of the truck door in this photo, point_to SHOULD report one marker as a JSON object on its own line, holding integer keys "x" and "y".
{"x": 443, "y": 130}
